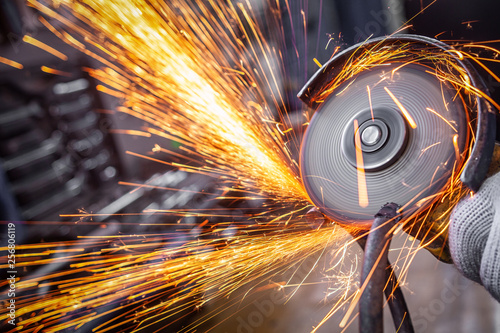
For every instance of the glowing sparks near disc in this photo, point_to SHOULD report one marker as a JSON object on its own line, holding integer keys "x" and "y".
{"x": 442, "y": 118}
{"x": 194, "y": 84}
{"x": 133, "y": 272}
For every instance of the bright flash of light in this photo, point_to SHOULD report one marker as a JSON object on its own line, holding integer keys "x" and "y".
{"x": 199, "y": 73}
{"x": 192, "y": 82}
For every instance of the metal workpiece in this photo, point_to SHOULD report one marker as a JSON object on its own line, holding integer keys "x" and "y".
{"x": 378, "y": 277}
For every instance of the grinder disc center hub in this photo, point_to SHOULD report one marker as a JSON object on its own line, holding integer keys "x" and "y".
{"x": 384, "y": 137}
{"x": 371, "y": 135}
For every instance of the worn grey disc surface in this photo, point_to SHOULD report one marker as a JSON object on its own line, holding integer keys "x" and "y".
{"x": 424, "y": 158}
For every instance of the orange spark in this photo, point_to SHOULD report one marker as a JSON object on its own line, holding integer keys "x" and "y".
{"x": 54, "y": 71}
{"x": 362, "y": 190}
{"x": 402, "y": 108}
{"x": 455, "y": 144}
{"x": 428, "y": 147}
{"x": 11, "y": 63}
{"x": 30, "y": 40}
{"x": 443, "y": 118}
{"x": 370, "y": 101}
{"x": 201, "y": 107}
{"x": 317, "y": 62}
{"x": 130, "y": 132}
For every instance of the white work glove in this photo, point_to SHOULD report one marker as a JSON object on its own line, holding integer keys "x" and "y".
{"x": 474, "y": 236}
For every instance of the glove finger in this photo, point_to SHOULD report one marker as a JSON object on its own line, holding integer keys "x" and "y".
{"x": 490, "y": 263}
{"x": 470, "y": 226}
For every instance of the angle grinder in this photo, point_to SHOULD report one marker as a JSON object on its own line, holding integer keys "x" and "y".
{"x": 403, "y": 119}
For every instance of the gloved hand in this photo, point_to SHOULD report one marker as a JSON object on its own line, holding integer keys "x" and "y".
{"x": 474, "y": 236}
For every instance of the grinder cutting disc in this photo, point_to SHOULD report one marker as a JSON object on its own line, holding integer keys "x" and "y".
{"x": 395, "y": 136}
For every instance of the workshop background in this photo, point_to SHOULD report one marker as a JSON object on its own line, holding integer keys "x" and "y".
{"x": 60, "y": 152}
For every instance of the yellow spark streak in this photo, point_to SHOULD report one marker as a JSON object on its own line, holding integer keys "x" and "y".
{"x": 428, "y": 147}
{"x": 130, "y": 132}
{"x": 458, "y": 53}
{"x": 443, "y": 118}
{"x": 362, "y": 190}
{"x": 444, "y": 67}
{"x": 11, "y": 63}
{"x": 402, "y": 108}
{"x": 54, "y": 71}
{"x": 30, "y": 40}
{"x": 455, "y": 144}
{"x": 317, "y": 62}
{"x": 361, "y": 289}
{"x": 370, "y": 101}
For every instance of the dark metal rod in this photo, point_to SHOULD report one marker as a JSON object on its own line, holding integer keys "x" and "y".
{"x": 393, "y": 293}
{"x": 397, "y": 304}
{"x": 377, "y": 272}
{"x": 395, "y": 299}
